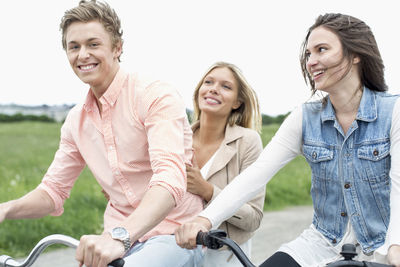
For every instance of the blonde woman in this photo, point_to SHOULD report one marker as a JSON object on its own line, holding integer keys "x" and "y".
{"x": 225, "y": 141}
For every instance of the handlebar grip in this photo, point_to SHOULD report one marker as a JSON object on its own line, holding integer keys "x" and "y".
{"x": 117, "y": 263}
{"x": 201, "y": 238}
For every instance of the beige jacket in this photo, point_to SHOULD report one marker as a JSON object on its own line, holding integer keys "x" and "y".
{"x": 240, "y": 148}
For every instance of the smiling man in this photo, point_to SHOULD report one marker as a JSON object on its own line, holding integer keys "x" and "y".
{"x": 134, "y": 136}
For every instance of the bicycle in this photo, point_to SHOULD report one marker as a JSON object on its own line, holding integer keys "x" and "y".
{"x": 7, "y": 261}
{"x": 216, "y": 239}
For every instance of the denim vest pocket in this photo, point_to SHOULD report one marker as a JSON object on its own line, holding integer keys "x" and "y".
{"x": 374, "y": 170}
{"x": 374, "y": 161}
{"x": 318, "y": 157}
{"x": 317, "y": 153}
{"x": 323, "y": 169}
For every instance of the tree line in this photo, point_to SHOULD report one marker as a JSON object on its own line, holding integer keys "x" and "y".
{"x": 266, "y": 119}
{"x": 25, "y": 117}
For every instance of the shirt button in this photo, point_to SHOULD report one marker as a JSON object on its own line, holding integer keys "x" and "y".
{"x": 334, "y": 241}
{"x": 110, "y": 147}
{"x": 129, "y": 193}
{"x": 347, "y": 186}
{"x": 343, "y": 214}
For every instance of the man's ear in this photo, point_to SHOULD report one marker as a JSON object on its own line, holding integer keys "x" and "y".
{"x": 118, "y": 49}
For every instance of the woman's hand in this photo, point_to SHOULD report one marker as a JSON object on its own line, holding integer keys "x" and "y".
{"x": 394, "y": 255}
{"x": 196, "y": 183}
{"x": 186, "y": 234}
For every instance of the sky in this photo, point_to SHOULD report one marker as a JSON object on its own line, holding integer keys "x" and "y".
{"x": 177, "y": 40}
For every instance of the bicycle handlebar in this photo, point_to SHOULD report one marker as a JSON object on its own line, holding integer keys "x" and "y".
{"x": 216, "y": 239}
{"x": 7, "y": 261}
{"x": 349, "y": 252}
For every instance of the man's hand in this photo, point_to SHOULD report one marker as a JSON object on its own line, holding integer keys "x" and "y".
{"x": 394, "y": 255}
{"x": 186, "y": 234}
{"x": 98, "y": 250}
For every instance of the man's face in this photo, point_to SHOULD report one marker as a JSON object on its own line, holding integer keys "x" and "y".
{"x": 91, "y": 55}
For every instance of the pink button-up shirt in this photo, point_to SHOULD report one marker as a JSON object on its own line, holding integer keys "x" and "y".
{"x": 141, "y": 139}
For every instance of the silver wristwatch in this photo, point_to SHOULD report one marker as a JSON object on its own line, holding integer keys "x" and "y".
{"x": 121, "y": 234}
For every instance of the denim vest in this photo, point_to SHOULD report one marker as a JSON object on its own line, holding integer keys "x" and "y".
{"x": 350, "y": 173}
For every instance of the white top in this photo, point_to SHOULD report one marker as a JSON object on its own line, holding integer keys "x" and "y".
{"x": 285, "y": 146}
{"x": 207, "y": 166}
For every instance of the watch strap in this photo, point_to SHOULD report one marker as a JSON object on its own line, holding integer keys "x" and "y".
{"x": 127, "y": 243}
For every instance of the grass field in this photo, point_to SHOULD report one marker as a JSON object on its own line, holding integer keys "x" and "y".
{"x": 291, "y": 185}
{"x": 27, "y": 149}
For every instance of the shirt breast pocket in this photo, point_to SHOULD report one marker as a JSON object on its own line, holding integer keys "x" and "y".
{"x": 320, "y": 160}
{"x": 374, "y": 161}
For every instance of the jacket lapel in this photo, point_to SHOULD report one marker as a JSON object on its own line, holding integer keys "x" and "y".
{"x": 226, "y": 151}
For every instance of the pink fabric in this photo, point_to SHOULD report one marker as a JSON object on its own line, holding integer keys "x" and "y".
{"x": 141, "y": 139}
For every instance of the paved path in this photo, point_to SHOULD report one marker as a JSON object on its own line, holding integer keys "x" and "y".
{"x": 277, "y": 227}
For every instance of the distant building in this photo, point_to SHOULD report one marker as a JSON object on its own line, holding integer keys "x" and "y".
{"x": 57, "y": 112}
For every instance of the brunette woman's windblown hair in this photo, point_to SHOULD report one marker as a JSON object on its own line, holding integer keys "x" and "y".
{"x": 357, "y": 40}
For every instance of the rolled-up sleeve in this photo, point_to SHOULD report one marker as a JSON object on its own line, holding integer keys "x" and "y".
{"x": 63, "y": 171}
{"x": 164, "y": 121}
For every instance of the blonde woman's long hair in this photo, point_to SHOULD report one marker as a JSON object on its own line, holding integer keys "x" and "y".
{"x": 248, "y": 114}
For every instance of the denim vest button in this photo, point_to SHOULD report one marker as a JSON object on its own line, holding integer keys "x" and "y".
{"x": 376, "y": 153}
{"x": 314, "y": 155}
{"x": 334, "y": 241}
{"x": 343, "y": 214}
{"x": 347, "y": 186}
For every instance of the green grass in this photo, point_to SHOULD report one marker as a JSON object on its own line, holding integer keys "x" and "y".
{"x": 27, "y": 149}
{"x": 291, "y": 185}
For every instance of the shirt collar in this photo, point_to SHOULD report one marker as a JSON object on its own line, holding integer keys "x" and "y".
{"x": 366, "y": 111}
{"x": 111, "y": 94}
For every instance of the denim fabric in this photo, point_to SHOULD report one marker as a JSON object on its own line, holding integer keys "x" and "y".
{"x": 162, "y": 251}
{"x": 350, "y": 172}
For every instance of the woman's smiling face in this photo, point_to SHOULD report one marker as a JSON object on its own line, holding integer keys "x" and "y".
{"x": 218, "y": 93}
{"x": 325, "y": 61}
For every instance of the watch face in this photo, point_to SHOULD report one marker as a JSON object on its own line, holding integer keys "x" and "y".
{"x": 119, "y": 232}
